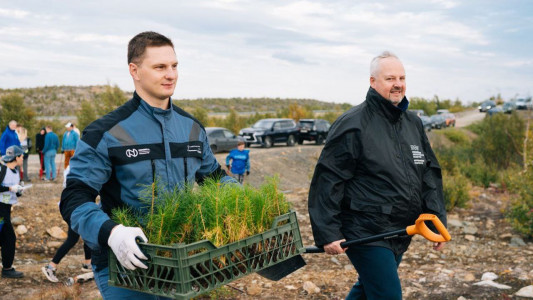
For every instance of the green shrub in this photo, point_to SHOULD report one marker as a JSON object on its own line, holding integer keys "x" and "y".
{"x": 457, "y": 136}
{"x": 455, "y": 187}
{"x": 480, "y": 173}
{"x": 520, "y": 210}
{"x": 221, "y": 213}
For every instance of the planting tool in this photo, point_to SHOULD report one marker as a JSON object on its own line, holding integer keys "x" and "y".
{"x": 280, "y": 270}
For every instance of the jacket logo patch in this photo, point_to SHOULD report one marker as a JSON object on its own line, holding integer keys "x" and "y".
{"x": 193, "y": 148}
{"x": 418, "y": 157}
{"x": 134, "y": 152}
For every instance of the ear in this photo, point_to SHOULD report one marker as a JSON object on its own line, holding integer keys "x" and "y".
{"x": 372, "y": 81}
{"x": 134, "y": 71}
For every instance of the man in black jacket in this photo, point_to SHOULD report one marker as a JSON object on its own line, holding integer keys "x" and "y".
{"x": 376, "y": 173}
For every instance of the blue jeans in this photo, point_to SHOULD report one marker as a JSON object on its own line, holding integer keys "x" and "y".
{"x": 377, "y": 268}
{"x": 115, "y": 293}
{"x": 50, "y": 164}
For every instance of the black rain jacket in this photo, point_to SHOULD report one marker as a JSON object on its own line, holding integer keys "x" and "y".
{"x": 377, "y": 173}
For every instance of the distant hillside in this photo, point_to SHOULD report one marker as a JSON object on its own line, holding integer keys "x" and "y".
{"x": 66, "y": 100}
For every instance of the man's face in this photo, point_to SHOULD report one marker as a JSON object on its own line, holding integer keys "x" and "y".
{"x": 390, "y": 80}
{"x": 156, "y": 75}
{"x": 13, "y": 125}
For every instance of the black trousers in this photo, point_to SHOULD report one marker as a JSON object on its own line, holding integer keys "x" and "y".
{"x": 72, "y": 239}
{"x": 7, "y": 237}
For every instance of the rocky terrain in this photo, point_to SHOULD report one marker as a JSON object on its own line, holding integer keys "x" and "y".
{"x": 482, "y": 242}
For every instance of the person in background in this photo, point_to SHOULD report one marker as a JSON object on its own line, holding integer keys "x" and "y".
{"x": 9, "y": 137}
{"x": 39, "y": 146}
{"x": 25, "y": 144}
{"x": 70, "y": 140}
{"x": 238, "y": 162}
{"x": 377, "y": 173}
{"x": 146, "y": 138}
{"x": 72, "y": 238}
{"x": 51, "y": 144}
{"x": 76, "y": 129}
{"x": 10, "y": 190}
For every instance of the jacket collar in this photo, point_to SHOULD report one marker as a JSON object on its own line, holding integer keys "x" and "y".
{"x": 150, "y": 109}
{"x": 384, "y": 106}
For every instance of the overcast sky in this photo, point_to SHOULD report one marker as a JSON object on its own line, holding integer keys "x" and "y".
{"x": 469, "y": 50}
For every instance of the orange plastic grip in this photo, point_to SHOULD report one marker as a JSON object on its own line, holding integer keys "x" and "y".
{"x": 421, "y": 228}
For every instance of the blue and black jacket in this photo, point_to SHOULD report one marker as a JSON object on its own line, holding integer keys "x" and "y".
{"x": 241, "y": 161}
{"x": 126, "y": 150}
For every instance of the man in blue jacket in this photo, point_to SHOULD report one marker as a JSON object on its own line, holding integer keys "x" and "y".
{"x": 51, "y": 144}
{"x": 145, "y": 139}
{"x": 9, "y": 137}
{"x": 70, "y": 140}
{"x": 240, "y": 162}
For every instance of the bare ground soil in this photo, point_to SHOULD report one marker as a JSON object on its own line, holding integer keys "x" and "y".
{"x": 425, "y": 273}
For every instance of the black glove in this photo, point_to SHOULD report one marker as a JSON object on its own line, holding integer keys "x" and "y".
{"x": 247, "y": 172}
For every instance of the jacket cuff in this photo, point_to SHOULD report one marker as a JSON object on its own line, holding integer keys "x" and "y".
{"x": 105, "y": 232}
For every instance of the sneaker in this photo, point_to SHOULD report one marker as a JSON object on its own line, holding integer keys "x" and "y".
{"x": 79, "y": 279}
{"x": 86, "y": 268}
{"x": 50, "y": 273}
{"x": 12, "y": 273}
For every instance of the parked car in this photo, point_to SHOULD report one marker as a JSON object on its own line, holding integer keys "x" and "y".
{"x": 267, "y": 132}
{"x": 426, "y": 122}
{"x": 509, "y": 107}
{"x": 313, "y": 130}
{"x": 438, "y": 121}
{"x": 486, "y": 105}
{"x": 495, "y": 110}
{"x": 450, "y": 118}
{"x": 221, "y": 139}
{"x": 419, "y": 112}
{"x": 524, "y": 103}
{"x": 442, "y": 111}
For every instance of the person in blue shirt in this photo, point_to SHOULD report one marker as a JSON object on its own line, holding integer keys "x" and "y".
{"x": 70, "y": 140}
{"x": 240, "y": 162}
{"x": 9, "y": 137}
{"x": 51, "y": 144}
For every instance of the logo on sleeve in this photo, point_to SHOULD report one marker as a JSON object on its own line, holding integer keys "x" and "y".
{"x": 194, "y": 148}
{"x": 418, "y": 157}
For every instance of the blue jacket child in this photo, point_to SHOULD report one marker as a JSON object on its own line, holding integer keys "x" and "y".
{"x": 240, "y": 158}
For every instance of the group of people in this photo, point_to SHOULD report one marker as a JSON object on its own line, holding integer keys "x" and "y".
{"x": 376, "y": 173}
{"x": 47, "y": 145}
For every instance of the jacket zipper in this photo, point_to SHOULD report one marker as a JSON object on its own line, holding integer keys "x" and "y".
{"x": 406, "y": 167}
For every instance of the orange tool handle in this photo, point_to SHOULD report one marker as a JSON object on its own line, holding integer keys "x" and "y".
{"x": 421, "y": 228}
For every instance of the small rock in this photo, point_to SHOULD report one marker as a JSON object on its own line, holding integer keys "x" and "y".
{"x": 489, "y": 276}
{"x": 53, "y": 244}
{"x": 470, "y": 229}
{"x": 335, "y": 261}
{"x": 311, "y": 288}
{"x": 525, "y": 292}
{"x": 21, "y": 229}
{"x": 291, "y": 287}
{"x": 16, "y": 221}
{"x": 469, "y": 277}
{"x": 253, "y": 289}
{"x": 493, "y": 284}
{"x": 505, "y": 236}
{"x": 348, "y": 267}
{"x": 461, "y": 298}
{"x": 454, "y": 223}
{"x": 470, "y": 237}
{"x": 57, "y": 233}
{"x": 489, "y": 224}
{"x": 517, "y": 242}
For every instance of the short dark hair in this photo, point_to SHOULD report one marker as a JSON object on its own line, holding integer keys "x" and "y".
{"x": 138, "y": 44}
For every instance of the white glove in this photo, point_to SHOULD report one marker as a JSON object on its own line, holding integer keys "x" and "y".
{"x": 16, "y": 188}
{"x": 122, "y": 242}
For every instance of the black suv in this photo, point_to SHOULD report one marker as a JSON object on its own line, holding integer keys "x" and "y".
{"x": 266, "y": 132}
{"x": 313, "y": 130}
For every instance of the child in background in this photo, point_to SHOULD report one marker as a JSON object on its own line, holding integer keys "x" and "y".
{"x": 240, "y": 162}
{"x": 10, "y": 190}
